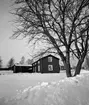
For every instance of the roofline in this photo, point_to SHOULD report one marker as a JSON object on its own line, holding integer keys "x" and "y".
{"x": 21, "y": 65}
{"x": 52, "y": 56}
{"x": 45, "y": 57}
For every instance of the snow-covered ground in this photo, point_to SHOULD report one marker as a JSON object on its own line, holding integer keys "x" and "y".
{"x": 15, "y": 83}
{"x": 44, "y": 89}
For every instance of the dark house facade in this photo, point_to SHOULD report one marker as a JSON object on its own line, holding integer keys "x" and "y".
{"x": 22, "y": 69}
{"x": 48, "y": 64}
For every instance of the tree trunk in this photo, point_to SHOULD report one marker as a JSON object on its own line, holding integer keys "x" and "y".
{"x": 78, "y": 67}
{"x": 67, "y": 64}
{"x": 68, "y": 69}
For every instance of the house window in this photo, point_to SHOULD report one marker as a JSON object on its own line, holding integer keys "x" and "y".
{"x": 38, "y": 67}
{"x": 49, "y": 59}
{"x": 35, "y": 69}
{"x": 50, "y": 67}
{"x": 38, "y": 62}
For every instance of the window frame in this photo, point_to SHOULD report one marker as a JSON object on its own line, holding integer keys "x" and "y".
{"x": 39, "y": 68}
{"x": 50, "y": 67}
{"x": 50, "y": 59}
{"x": 38, "y": 62}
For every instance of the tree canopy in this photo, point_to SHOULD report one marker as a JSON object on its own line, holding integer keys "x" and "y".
{"x": 59, "y": 23}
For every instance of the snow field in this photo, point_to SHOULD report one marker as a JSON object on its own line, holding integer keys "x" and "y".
{"x": 70, "y": 91}
{"x": 13, "y": 84}
{"x": 50, "y": 89}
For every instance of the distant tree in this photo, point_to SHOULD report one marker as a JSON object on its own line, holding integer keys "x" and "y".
{"x": 0, "y": 62}
{"x": 62, "y": 24}
{"x": 22, "y": 61}
{"x": 11, "y": 62}
{"x": 29, "y": 61}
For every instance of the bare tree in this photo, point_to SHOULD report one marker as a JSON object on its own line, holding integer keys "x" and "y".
{"x": 11, "y": 63}
{"x": 22, "y": 60}
{"x": 59, "y": 23}
{"x": 0, "y": 62}
{"x": 29, "y": 61}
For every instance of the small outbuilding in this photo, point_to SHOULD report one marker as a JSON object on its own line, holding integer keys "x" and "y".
{"x": 22, "y": 68}
{"x": 47, "y": 64}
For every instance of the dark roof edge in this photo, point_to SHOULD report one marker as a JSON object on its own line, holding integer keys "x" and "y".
{"x": 45, "y": 57}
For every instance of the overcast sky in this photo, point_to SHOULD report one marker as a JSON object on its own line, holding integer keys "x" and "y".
{"x": 10, "y": 48}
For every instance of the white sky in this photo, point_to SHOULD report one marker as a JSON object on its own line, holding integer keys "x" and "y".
{"x": 9, "y": 48}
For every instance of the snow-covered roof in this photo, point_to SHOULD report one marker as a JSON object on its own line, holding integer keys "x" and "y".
{"x": 18, "y": 64}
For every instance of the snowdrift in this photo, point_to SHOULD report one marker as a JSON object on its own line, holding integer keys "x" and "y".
{"x": 69, "y": 91}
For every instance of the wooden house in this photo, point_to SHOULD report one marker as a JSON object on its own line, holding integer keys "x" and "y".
{"x": 47, "y": 64}
{"x": 22, "y": 68}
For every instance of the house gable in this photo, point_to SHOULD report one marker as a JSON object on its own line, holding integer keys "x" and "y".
{"x": 46, "y": 65}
